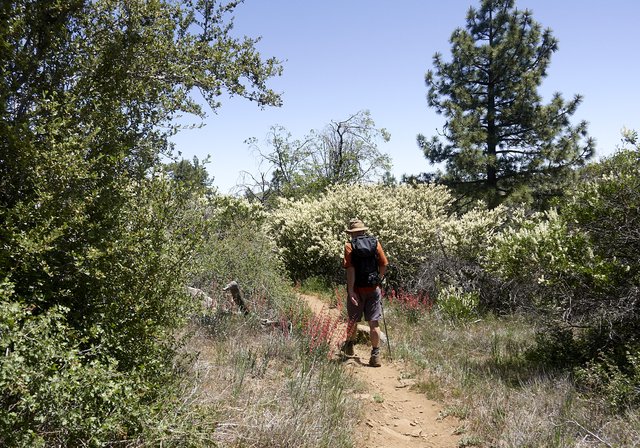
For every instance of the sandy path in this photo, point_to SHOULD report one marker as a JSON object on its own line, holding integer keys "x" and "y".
{"x": 395, "y": 415}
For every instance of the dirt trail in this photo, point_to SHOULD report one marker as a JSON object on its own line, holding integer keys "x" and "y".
{"x": 395, "y": 415}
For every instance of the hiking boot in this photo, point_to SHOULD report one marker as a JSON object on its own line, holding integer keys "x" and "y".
{"x": 347, "y": 348}
{"x": 374, "y": 361}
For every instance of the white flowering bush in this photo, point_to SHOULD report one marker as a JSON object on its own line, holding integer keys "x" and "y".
{"x": 310, "y": 232}
{"x": 469, "y": 235}
{"x": 413, "y": 223}
{"x": 455, "y": 264}
{"x": 539, "y": 246}
{"x": 227, "y": 212}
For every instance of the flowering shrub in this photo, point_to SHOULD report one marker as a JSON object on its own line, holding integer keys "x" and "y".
{"x": 581, "y": 269}
{"x": 457, "y": 304}
{"x": 410, "y": 301}
{"x": 551, "y": 265}
{"x": 419, "y": 233}
{"x": 469, "y": 235}
{"x": 595, "y": 235}
{"x": 539, "y": 246}
{"x": 410, "y": 304}
{"x": 412, "y": 223}
{"x": 228, "y": 212}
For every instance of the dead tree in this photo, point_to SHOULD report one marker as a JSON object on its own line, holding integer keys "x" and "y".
{"x": 237, "y": 297}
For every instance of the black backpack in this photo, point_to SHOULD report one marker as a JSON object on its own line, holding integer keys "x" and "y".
{"x": 364, "y": 258}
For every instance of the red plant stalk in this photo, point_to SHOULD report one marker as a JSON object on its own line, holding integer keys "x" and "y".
{"x": 320, "y": 330}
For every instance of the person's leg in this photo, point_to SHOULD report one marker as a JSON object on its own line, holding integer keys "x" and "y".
{"x": 373, "y": 314}
{"x": 354, "y": 315}
{"x": 350, "y": 339}
{"x": 352, "y": 326}
{"x": 374, "y": 333}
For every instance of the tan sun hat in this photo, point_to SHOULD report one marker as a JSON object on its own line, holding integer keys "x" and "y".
{"x": 356, "y": 225}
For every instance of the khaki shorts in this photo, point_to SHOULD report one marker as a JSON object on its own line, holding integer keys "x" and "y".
{"x": 369, "y": 304}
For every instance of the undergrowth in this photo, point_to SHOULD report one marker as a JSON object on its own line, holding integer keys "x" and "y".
{"x": 483, "y": 372}
{"x": 267, "y": 387}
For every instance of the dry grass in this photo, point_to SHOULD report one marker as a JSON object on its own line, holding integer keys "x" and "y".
{"x": 266, "y": 388}
{"x": 480, "y": 371}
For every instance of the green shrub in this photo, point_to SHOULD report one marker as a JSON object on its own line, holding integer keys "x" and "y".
{"x": 96, "y": 240}
{"x": 580, "y": 271}
{"x": 53, "y": 393}
{"x": 616, "y": 383}
{"x": 88, "y": 322}
{"x": 237, "y": 248}
{"x": 456, "y": 304}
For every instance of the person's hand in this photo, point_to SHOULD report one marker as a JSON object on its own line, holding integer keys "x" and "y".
{"x": 354, "y": 298}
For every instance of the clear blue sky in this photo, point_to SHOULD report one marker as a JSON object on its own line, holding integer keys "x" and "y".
{"x": 342, "y": 56}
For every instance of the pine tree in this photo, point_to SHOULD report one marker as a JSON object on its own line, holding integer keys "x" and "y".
{"x": 499, "y": 137}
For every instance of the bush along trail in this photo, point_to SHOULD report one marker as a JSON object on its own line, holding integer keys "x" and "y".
{"x": 395, "y": 415}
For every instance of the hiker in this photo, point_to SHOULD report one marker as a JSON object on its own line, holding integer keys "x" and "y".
{"x": 366, "y": 265}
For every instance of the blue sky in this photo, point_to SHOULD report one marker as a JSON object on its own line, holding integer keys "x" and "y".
{"x": 342, "y": 56}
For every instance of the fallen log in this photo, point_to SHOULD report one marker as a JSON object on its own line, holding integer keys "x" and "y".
{"x": 285, "y": 326}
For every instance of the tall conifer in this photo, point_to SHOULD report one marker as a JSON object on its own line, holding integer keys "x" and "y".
{"x": 499, "y": 138}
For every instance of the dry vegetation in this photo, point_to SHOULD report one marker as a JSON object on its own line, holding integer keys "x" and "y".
{"x": 267, "y": 388}
{"x": 484, "y": 373}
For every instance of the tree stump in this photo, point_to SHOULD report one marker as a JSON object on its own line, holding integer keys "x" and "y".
{"x": 237, "y": 297}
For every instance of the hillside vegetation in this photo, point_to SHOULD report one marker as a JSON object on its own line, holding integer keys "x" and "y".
{"x": 516, "y": 307}
{"x": 515, "y": 319}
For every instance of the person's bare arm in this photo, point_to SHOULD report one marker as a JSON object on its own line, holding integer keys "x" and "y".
{"x": 351, "y": 279}
{"x": 382, "y": 266}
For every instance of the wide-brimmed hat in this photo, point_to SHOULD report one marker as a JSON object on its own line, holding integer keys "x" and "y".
{"x": 356, "y": 225}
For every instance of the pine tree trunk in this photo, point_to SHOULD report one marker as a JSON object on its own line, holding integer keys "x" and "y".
{"x": 492, "y": 138}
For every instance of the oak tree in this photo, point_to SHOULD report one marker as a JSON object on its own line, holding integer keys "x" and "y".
{"x": 95, "y": 245}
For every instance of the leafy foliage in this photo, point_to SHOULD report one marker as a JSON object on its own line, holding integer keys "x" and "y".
{"x": 192, "y": 175}
{"x": 97, "y": 246}
{"x": 583, "y": 269}
{"x": 583, "y": 257}
{"x": 57, "y": 393}
{"x": 237, "y": 248}
{"x": 616, "y": 384}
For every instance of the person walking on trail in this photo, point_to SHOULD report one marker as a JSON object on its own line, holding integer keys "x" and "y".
{"x": 366, "y": 264}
